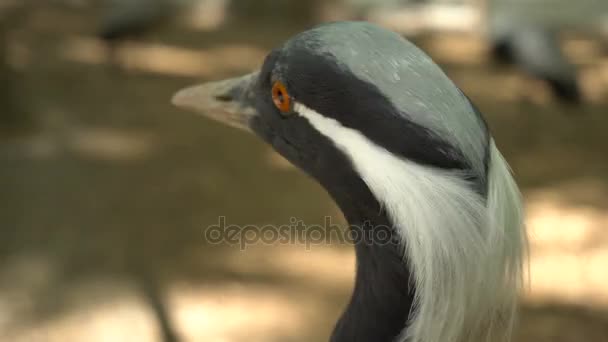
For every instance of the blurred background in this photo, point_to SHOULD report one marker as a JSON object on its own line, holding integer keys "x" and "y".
{"x": 106, "y": 189}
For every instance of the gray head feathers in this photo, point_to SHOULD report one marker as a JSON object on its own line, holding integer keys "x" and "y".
{"x": 407, "y": 77}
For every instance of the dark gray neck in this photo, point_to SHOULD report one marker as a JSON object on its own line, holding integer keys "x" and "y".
{"x": 382, "y": 298}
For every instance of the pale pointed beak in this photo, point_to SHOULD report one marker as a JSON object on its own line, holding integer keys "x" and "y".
{"x": 230, "y": 101}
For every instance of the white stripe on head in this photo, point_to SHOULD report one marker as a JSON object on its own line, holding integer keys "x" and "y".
{"x": 465, "y": 252}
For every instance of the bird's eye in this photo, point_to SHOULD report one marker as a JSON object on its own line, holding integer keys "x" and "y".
{"x": 281, "y": 97}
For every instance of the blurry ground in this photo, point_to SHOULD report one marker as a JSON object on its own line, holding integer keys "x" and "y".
{"x": 103, "y": 204}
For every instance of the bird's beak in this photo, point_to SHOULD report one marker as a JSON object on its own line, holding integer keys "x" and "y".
{"x": 229, "y": 101}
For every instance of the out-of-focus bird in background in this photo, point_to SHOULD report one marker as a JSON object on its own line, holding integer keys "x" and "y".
{"x": 518, "y": 39}
{"x": 399, "y": 147}
{"x": 536, "y": 51}
{"x": 131, "y": 18}
{"x": 527, "y": 34}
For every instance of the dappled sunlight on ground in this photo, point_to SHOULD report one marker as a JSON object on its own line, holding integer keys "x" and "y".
{"x": 568, "y": 263}
{"x": 104, "y": 310}
{"x": 239, "y": 312}
{"x": 569, "y": 251}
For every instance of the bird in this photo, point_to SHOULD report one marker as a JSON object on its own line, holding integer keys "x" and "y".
{"x": 400, "y": 149}
{"x": 125, "y": 19}
{"x": 532, "y": 46}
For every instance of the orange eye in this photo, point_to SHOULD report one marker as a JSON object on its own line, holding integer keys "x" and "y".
{"x": 281, "y": 97}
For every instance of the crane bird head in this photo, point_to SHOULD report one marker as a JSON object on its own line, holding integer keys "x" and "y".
{"x": 395, "y": 142}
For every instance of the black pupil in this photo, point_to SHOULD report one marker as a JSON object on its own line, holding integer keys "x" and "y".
{"x": 280, "y": 96}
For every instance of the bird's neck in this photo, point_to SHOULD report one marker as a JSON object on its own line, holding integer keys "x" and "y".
{"x": 382, "y": 297}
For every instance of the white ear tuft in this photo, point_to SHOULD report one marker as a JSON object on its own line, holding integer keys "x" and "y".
{"x": 466, "y": 251}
